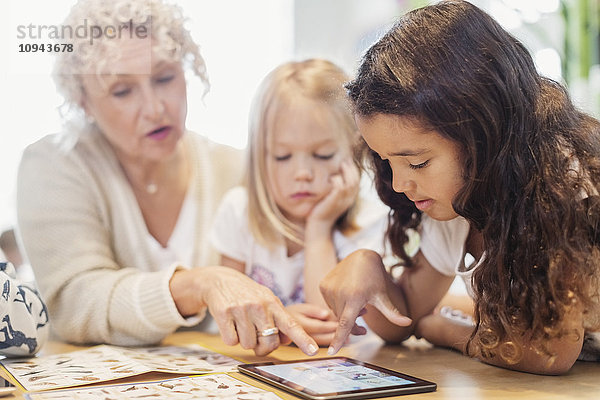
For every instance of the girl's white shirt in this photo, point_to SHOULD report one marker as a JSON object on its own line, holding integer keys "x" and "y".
{"x": 443, "y": 245}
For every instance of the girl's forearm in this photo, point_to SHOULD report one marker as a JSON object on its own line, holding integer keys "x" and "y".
{"x": 450, "y": 332}
{"x": 320, "y": 258}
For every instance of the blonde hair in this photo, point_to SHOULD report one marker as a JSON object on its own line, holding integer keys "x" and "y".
{"x": 315, "y": 80}
{"x": 163, "y": 22}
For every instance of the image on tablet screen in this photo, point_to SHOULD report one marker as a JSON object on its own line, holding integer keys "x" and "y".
{"x": 333, "y": 375}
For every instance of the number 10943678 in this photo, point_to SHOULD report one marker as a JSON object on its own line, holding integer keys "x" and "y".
{"x": 45, "y": 47}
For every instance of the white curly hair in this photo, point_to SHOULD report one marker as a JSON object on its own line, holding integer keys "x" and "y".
{"x": 163, "y": 22}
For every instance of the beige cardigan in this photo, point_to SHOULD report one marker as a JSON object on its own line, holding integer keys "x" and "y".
{"x": 91, "y": 258}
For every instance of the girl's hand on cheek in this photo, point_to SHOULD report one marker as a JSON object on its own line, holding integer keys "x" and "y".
{"x": 345, "y": 186}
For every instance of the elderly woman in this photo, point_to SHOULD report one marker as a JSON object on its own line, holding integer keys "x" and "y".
{"x": 114, "y": 211}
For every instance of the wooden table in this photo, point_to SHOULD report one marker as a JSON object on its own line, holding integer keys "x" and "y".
{"x": 457, "y": 376}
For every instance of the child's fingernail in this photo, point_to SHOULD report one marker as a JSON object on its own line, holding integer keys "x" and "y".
{"x": 331, "y": 351}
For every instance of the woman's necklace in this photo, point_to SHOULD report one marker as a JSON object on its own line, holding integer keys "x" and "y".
{"x": 151, "y": 188}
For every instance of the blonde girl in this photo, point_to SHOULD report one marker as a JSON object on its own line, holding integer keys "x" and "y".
{"x": 296, "y": 217}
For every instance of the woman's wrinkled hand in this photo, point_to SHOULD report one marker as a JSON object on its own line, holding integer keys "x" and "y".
{"x": 241, "y": 308}
{"x": 358, "y": 280}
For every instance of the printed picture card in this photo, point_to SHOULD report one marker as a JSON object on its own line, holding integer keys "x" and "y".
{"x": 106, "y": 363}
{"x": 218, "y": 387}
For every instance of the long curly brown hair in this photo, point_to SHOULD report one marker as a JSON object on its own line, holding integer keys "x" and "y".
{"x": 530, "y": 166}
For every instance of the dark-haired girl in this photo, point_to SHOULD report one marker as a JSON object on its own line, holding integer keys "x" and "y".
{"x": 488, "y": 161}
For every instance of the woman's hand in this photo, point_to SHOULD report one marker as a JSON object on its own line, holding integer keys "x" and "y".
{"x": 241, "y": 308}
{"x": 345, "y": 186}
{"x": 318, "y": 322}
{"x": 358, "y": 280}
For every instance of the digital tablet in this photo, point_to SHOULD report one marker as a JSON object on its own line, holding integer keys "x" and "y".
{"x": 335, "y": 378}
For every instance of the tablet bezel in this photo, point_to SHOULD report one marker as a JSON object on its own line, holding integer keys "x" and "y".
{"x": 419, "y": 385}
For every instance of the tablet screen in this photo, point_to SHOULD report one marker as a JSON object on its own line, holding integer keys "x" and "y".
{"x": 335, "y": 376}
